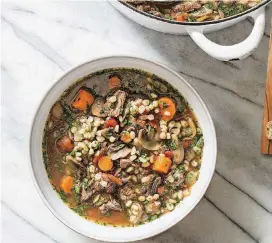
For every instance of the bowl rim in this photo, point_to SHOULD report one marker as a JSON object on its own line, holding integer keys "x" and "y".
{"x": 31, "y": 159}
{"x": 209, "y": 22}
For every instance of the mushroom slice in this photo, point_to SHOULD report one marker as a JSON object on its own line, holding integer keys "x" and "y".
{"x": 98, "y": 108}
{"x": 146, "y": 142}
{"x": 115, "y": 147}
{"x": 120, "y": 154}
{"x": 201, "y": 12}
{"x": 190, "y": 155}
{"x": 192, "y": 125}
{"x": 57, "y": 111}
{"x": 191, "y": 178}
{"x": 178, "y": 153}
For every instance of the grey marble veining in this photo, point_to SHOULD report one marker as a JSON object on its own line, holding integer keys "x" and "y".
{"x": 42, "y": 40}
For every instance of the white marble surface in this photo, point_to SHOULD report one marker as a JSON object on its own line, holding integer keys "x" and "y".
{"x": 40, "y": 40}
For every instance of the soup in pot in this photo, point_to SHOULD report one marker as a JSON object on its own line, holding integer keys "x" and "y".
{"x": 193, "y": 10}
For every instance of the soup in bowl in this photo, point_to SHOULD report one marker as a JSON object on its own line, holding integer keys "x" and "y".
{"x": 122, "y": 146}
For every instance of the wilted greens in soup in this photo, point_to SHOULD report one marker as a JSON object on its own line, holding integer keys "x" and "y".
{"x": 194, "y": 10}
{"x": 122, "y": 147}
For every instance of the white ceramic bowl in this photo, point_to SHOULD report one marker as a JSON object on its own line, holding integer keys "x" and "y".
{"x": 108, "y": 233}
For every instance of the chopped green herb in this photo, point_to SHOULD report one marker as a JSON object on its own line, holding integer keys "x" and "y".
{"x": 171, "y": 144}
{"x": 181, "y": 168}
{"x": 163, "y": 104}
{"x": 62, "y": 195}
{"x": 77, "y": 188}
{"x": 81, "y": 209}
{"x": 200, "y": 142}
{"x": 231, "y": 9}
{"x": 68, "y": 116}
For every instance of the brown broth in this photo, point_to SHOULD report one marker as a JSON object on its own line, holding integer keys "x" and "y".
{"x": 57, "y": 168}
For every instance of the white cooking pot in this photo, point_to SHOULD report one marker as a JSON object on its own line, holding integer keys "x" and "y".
{"x": 197, "y": 29}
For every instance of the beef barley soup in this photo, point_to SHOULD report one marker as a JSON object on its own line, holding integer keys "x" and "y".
{"x": 122, "y": 147}
{"x": 193, "y": 10}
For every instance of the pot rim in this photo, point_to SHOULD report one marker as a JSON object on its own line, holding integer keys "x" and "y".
{"x": 263, "y": 3}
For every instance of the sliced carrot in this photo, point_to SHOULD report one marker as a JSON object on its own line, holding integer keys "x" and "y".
{"x": 125, "y": 137}
{"x": 110, "y": 123}
{"x": 161, "y": 190}
{"x": 180, "y": 18}
{"x": 167, "y": 108}
{"x": 115, "y": 179}
{"x": 82, "y": 100}
{"x": 65, "y": 144}
{"x": 67, "y": 184}
{"x": 162, "y": 164}
{"x": 114, "y": 82}
{"x": 105, "y": 163}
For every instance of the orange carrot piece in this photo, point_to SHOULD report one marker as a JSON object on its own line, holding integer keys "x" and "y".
{"x": 105, "y": 163}
{"x": 114, "y": 82}
{"x": 67, "y": 184}
{"x": 115, "y": 179}
{"x": 82, "y": 100}
{"x": 125, "y": 137}
{"x": 180, "y": 18}
{"x": 65, "y": 144}
{"x": 162, "y": 164}
{"x": 168, "y": 108}
{"x": 110, "y": 123}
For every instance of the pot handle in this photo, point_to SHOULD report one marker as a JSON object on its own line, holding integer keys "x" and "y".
{"x": 234, "y": 52}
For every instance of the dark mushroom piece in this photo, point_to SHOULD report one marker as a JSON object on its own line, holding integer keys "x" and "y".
{"x": 154, "y": 185}
{"x": 98, "y": 108}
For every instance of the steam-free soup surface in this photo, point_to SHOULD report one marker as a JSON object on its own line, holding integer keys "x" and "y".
{"x": 122, "y": 147}
{"x": 194, "y": 10}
